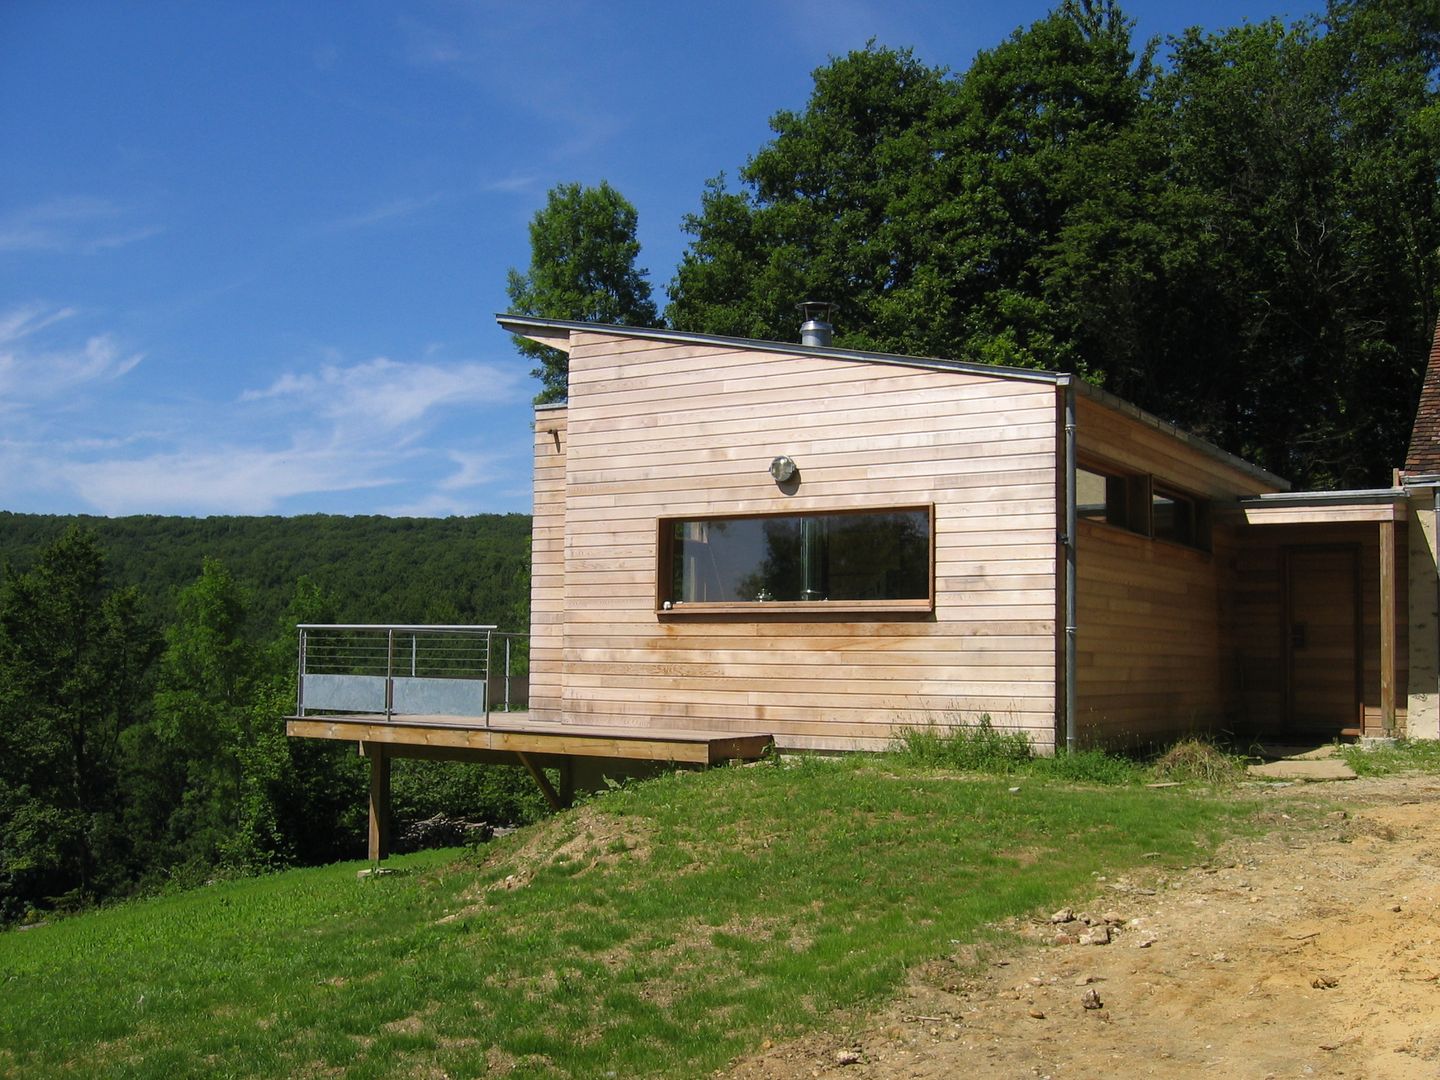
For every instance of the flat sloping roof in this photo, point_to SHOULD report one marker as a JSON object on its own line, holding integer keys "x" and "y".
{"x": 552, "y": 331}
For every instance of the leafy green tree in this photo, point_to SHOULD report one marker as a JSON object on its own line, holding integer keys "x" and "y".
{"x": 1245, "y": 241}
{"x": 848, "y": 203}
{"x": 1305, "y": 164}
{"x": 205, "y": 711}
{"x": 75, "y": 658}
{"x": 582, "y": 266}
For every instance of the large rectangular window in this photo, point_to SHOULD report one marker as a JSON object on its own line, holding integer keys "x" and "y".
{"x": 854, "y": 557}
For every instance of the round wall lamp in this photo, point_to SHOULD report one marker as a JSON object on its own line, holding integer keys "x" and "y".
{"x": 782, "y": 469}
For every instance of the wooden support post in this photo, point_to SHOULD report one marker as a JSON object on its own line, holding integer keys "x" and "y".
{"x": 1387, "y": 626}
{"x": 551, "y": 795}
{"x": 379, "y": 801}
{"x": 567, "y": 780}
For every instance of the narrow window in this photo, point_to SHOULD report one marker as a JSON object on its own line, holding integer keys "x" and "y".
{"x": 1117, "y": 500}
{"x": 1179, "y": 518}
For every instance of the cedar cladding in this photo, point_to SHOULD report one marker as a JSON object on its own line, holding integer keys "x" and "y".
{"x": 659, "y": 429}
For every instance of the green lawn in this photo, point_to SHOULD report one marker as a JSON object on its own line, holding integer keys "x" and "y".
{"x": 660, "y": 930}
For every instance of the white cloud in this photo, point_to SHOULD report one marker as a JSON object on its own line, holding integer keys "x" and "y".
{"x": 474, "y": 469}
{"x": 222, "y": 480}
{"x": 385, "y": 395}
{"x": 70, "y": 225}
{"x": 394, "y": 210}
{"x": 30, "y": 374}
{"x": 514, "y": 184}
{"x": 75, "y": 433}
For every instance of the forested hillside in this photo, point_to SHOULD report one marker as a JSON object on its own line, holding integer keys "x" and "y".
{"x": 371, "y": 569}
{"x": 147, "y": 665}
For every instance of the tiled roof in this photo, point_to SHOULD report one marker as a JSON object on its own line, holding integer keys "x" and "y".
{"x": 1424, "y": 454}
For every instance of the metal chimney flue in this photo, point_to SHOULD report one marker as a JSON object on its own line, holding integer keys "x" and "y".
{"x": 816, "y": 329}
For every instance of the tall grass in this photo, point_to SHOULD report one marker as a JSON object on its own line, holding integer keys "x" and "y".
{"x": 980, "y": 747}
{"x": 1405, "y": 756}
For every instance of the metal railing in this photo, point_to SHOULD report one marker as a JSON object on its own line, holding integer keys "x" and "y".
{"x": 379, "y": 669}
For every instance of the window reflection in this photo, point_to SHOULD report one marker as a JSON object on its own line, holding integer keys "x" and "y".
{"x": 873, "y": 555}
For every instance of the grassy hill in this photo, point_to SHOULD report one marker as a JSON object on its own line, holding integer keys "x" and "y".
{"x": 659, "y": 930}
{"x": 377, "y": 569}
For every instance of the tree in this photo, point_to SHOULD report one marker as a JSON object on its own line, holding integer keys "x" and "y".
{"x": 1305, "y": 166}
{"x": 74, "y": 665}
{"x": 582, "y": 267}
{"x": 204, "y": 712}
{"x": 1246, "y": 243}
{"x": 848, "y": 203}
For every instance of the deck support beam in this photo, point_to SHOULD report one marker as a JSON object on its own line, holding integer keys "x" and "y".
{"x": 379, "y": 800}
{"x": 1387, "y": 626}
{"x": 543, "y": 782}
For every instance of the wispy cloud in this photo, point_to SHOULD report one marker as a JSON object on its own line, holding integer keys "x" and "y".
{"x": 394, "y": 210}
{"x": 233, "y": 479}
{"x": 385, "y": 395}
{"x": 80, "y": 225}
{"x": 474, "y": 469}
{"x": 75, "y": 431}
{"x": 30, "y": 374}
{"x": 515, "y": 183}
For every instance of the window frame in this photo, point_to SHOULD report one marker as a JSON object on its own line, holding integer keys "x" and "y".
{"x": 759, "y": 609}
{"x": 1141, "y": 491}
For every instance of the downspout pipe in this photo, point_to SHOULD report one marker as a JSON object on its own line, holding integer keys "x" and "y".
{"x": 1071, "y": 734}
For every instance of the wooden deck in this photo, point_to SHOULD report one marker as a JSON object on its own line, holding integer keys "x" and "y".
{"x": 511, "y": 738}
{"x": 512, "y": 733}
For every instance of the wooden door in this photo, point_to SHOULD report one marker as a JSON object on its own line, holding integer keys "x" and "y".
{"x": 1322, "y": 639}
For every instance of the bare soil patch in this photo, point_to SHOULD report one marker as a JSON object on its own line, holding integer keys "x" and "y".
{"x": 1312, "y": 949}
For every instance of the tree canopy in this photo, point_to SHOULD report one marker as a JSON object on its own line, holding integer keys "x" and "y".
{"x": 582, "y": 267}
{"x": 1242, "y": 236}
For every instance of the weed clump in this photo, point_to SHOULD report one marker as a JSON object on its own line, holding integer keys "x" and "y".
{"x": 1198, "y": 759}
{"x": 977, "y": 747}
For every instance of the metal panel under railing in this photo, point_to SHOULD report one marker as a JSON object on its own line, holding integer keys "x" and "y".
{"x": 464, "y": 671}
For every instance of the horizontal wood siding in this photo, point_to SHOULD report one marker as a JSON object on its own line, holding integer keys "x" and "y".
{"x": 1259, "y": 627}
{"x": 1153, "y": 617}
{"x": 547, "y": 565}
{"x": 1150, "y": 640}
{"x": 659, "y": 430}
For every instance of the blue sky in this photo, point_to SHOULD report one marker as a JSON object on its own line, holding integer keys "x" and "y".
{"x": 250, "y": 252}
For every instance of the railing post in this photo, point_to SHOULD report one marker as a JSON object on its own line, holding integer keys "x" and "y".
{"x": 300, "y": 677}
{"x": 485, "y": 683}
{"x": 507, "y": 673}
{"x": 389, "y": 673}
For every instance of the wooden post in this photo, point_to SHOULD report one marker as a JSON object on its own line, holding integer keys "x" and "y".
{"x": 542, "y": 781}
{"x": 1387, "y": 626}
{"x": 379, "y": 801}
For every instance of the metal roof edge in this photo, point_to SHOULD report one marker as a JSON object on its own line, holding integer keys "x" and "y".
{"x": 1326, "y": 498}
{"x": 516, "y": 324}
{"x": 548, "y": 406}
{"x": 1205, "y": 446}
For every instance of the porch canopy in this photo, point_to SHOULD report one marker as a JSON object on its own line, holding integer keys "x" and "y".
{"x": 1360, "y": 525}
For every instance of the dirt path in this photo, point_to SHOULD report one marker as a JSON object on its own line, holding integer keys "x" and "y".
{"x": 1313, "y": 950}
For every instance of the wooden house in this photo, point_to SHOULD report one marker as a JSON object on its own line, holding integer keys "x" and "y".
{"x": 826, "y": 545}
{"x": 740, "y": 544}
